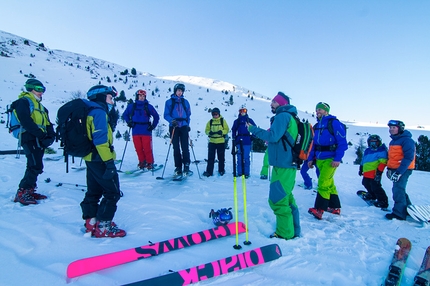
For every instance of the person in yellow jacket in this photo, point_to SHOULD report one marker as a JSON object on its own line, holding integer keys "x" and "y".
{"x": 103, "y": 189}
{"x": 216, "y": 129}
{"x": 36, "y": 134}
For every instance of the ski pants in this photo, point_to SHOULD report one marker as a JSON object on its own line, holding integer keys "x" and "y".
{"x": 246, "y": 152}
{"x": 34, "y": 168}
{"x": 98, "y": 188}
{"x": 327, "y": 193}
{"x": 375, "y": 189}
{"x": 400, "y": 197}
{"x": 180, "y": 142}
{"x": 143, "y": 147}
{"x": 265, "y": 168}
{"x": 282, "y": 202}
{"x": 307, "y": 180}
{"x": 219, "y": 149}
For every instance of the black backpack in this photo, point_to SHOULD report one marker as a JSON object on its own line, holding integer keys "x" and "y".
{"x": 72, "y": 128}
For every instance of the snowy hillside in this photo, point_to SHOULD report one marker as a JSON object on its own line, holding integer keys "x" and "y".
{"x": 38, "y": 242}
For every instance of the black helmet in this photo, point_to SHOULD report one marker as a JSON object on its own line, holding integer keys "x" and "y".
{"x": 35, "y": 84}
{"x": 179, "y": 86}
{"x": 374, "y": 141}
{"x": 216, "y": 110}
{"x": 397, "y": 123}
{"x": 102, "y": 90}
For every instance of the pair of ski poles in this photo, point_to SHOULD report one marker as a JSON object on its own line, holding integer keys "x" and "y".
{"x": 236, "y": 211}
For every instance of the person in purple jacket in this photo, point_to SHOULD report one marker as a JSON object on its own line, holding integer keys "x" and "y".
{"x": 241, "y": 136}
{"x": 177, "y": 112}
{"x": 138, "y": 115}
{"x": 328, "y": 150}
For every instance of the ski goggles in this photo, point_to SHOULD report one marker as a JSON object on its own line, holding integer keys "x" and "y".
{"x": 36, "y": 87}
{"x": 243, "y": 110}
{"x": 215, "y": 114}
{"x": 141, "y": 92}
{"x": 107, "y": 89}
{"x": 394, "y": 123}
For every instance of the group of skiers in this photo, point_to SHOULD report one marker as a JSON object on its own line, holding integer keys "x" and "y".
{"x": 103, "y": 190}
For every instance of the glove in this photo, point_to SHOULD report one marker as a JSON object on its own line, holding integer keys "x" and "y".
{"x": 174, "y": 123}
{"x": 219, "y": 132}
{"x": 360, "y": 171}
{"x": 378, "y": 176}
{"x": 47, "y": 141}
{"x": 150, "y": 127}
{"x": 130, "y": 124}
{"x": 395, "y": 177}
{"x": 110, "y": 170}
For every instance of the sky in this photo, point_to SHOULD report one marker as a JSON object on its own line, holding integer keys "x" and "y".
{"x": 368, "y": 59}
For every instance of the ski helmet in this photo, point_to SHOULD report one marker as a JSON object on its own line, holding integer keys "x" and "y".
{"x": 178, "y": 86}
{"x": 101, "y": 90}
{"x": 243, "y": 110}
{"x": 374, "y": 141}
{"x": 221, "y": 217}
{"x": 139, "y": 92}
{"x": 35, "y": 84}
{"x": 216, "y": 110}
{"x": 397, "y": 123}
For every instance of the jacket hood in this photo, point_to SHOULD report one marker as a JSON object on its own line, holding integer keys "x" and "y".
{"x": 287, "y": 108}
{"x": 405, "y": 133}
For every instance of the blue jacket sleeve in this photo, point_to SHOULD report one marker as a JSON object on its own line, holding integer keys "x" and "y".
{"x": 342, "y": 145}
{"x": 167, "y": 108}
{"x": 155, "y": 116}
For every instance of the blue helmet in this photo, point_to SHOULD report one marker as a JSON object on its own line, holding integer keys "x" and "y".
{"x": 397, "y": 123}
{"x": 221, "y": 217}
{"x": 102, "y": 90}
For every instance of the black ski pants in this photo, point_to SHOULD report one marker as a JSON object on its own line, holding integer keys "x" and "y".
{"x": 34, "y": 168}
{"x": 219, "y": 149}
{"x": 180, "y": 142}
{"x": 375, "y": 189}
{"x": 99, "y": 188}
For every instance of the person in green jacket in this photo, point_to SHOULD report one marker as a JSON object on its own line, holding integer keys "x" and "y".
{"x": 216, "y": 129}
{"x": 281, "y": 199}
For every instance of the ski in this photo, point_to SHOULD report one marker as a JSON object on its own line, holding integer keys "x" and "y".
{"x": 100, "y": 262}
{"x": 216, "y": 268}
{"x": 80, "y": 168}
{"x": 53, "y": 158}
{"x": 141, "y": 171}
{"x": 423, "y": 276}
{"x": 182, "y": 177}
{"x": 419, "y": 213}
{"x": 398, "y": 262}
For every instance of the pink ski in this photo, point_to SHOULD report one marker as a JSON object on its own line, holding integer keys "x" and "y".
{"x": 96, "y": 263}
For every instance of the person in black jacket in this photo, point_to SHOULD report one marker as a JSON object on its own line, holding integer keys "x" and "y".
{"x": 37, "y": 134}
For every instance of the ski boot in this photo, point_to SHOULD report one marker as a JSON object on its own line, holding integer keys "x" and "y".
{"x": 24, "y": 197}
{"x": 108, "y": 228}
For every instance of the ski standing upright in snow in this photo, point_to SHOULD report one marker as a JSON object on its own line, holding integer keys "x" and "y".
{"x": 423, "y": 276}
{"x": 216, "y": 268}
{"x": 397, "y": 266}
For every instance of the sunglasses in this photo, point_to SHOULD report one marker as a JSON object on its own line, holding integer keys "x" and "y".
{"x": 215, "y": 114}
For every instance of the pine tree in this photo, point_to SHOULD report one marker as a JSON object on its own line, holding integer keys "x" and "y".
{"x": 360, "y": 151}
{"x": 422, "y": 160}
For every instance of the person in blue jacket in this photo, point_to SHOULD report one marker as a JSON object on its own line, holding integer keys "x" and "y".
{"x": 328, "y": 150}
{"x": 241, "y": 136}
{"x": 138, "y": 117}
{"x": 177, "y": 112}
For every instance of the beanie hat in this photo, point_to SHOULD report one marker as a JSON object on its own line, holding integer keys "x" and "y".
{"x": 31, "y": 83}
{"x": 281, "y": 98}
{"x": 323, "y": 106}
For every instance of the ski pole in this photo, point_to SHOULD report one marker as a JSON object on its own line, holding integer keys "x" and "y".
{"x": 167, "y": 157}
{"x": 59, "y": 184}
{"x": 236, "y": 211}
{"x": 246, "y": 242}
{"x": 125, "y": 148}
{"x": 197, "y": 166}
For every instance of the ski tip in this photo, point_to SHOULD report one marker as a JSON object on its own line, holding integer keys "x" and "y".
{"x": 159, "y": 178}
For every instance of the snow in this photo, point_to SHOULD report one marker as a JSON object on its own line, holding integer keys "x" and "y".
{"x": 39, "y": 241}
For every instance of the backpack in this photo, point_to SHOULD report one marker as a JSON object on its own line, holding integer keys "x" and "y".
{"x": 13, "y": 123}
{"x": 303, "y": 143}
{"x": 226, "y": 137}
{"x": 330, "y": 126}
{"x": 173, "y": 105}
{"x": 72, "y": 128}
{"x": 145, "y": 109}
